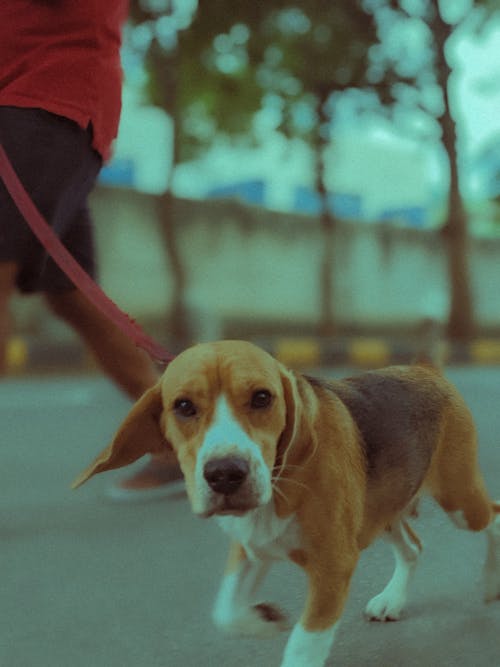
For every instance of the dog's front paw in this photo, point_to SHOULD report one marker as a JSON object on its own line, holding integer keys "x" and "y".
{"x": 384, "y": 607}
{"x": 262, "y": 620}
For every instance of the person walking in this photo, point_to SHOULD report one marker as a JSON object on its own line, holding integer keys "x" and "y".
{"x": 60, "y": 103}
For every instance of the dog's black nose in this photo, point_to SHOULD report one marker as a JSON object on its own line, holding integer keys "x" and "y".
{"x": 226, "y": 475}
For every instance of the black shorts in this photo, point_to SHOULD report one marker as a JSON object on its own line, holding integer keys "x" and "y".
{"x": 54, "y": 159}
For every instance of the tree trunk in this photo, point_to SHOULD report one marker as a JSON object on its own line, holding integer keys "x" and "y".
{"x": 178, "y": 318}
{"x": 327, "y": 221}
{"x": 165, "y": 66}
{"x": 461, "y": 324}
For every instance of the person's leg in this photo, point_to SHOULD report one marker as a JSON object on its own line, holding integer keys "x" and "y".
{"x": 57, "y": 165}
{"x": 8, "y": 272}
{"x": 128, "y": 366}
{"x": 131, "y": 369}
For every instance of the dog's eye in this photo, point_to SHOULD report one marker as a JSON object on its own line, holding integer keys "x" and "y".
{"x": 261, "y": 399}
{"x": 184, "y": 407}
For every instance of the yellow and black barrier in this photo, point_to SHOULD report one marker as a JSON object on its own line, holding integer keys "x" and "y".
{"x": 25, "y": 355}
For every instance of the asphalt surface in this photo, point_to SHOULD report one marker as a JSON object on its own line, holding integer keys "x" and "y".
{"x": 89, "y": 583}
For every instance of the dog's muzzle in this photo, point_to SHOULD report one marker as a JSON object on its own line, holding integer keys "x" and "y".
{"x": 232, "y": 484}
{"x": 226, "y": 475}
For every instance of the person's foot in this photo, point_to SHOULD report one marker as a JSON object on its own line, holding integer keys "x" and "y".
{"x": 156, "y": 479}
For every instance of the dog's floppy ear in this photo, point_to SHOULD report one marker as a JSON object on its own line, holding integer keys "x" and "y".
{"x": 139, "y": 434}
{"x": 299, "y": 437}
{"x": 293, "y": 406}
{"x": 295, "y": 444}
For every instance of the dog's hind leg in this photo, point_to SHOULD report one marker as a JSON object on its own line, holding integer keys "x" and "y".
{"x": 480, "y": 514}
{"x": 455, "y": 481}
{"x": 492, "y": 565}
{"x": 389, "y": 604}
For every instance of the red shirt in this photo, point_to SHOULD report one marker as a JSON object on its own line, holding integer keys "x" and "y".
{"x": 63, "y": 56}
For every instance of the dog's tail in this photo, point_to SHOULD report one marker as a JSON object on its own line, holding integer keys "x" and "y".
{"x": 431, "y": 349}
{"x": 496, "y": 507}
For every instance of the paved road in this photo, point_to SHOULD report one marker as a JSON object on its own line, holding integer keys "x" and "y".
{"x": 88, "y": 583}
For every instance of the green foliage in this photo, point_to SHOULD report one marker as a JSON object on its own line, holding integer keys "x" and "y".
{"x": 215, "y": 68}
{"x": 238, "y": 57}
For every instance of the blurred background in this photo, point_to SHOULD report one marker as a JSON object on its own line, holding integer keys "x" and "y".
{"x": 322, "y": 177}
{"x": 319, "y": 170}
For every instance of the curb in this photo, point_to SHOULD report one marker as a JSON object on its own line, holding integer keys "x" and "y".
{"x": 370, "y": 352}
{"x": 25, "y": 355}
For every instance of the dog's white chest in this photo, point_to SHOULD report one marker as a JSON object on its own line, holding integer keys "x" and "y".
{"x": 262, "y": 533}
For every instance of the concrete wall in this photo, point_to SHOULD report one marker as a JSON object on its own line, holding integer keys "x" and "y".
{"x": 249, "y": 264}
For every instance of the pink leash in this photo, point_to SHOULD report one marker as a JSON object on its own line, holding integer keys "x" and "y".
{"x": 71, "y": 268}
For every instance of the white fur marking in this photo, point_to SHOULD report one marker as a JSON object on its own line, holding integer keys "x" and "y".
{"x": 491, "y": 577}
{"x": 264, "y": 537}
{"x": 226, "y": 437}
{"x": 308, "y": 649}
{"x": 388, "y": 605}
{"x": 458, "y": 518}
{"x": 262, "y": 533}
{"x": 235, "y": 611}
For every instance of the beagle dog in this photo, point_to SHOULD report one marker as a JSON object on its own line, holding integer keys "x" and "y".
{"x": 296, "y": 468}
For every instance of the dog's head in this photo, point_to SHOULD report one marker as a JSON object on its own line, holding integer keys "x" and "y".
{"x": 228, "y": 410}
